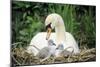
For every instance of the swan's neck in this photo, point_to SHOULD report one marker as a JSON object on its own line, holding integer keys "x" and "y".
{"x": 60, "y": 33}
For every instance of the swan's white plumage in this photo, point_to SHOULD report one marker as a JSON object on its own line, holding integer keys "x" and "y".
{"x": 40, "y": 42}
{"x": 60, "y": 36}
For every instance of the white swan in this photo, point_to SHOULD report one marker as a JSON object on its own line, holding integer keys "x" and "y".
{"x": 60, "y": 36}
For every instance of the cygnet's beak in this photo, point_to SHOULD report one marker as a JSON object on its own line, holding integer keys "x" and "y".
{"x": 48, "y": 33}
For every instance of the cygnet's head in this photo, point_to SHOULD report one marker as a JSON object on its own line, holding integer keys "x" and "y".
{"x": 51, "y": 43}
{"x": 60, "y": 47}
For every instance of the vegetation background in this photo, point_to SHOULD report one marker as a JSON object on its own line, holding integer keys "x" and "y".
{"x": 28, "y": 19}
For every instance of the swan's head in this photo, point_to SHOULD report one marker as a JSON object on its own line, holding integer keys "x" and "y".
{"x": 50, "y": 23}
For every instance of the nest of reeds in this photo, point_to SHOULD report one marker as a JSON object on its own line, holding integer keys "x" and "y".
{"x": 19, "y": 56}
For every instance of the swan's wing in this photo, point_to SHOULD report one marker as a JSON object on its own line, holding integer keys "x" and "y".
{"x": 71, "y": 42}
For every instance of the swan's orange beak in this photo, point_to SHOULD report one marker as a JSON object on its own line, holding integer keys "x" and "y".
{"x": 48, "y": 33}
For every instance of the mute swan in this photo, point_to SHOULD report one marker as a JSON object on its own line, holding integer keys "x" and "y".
{"x": 60, "y": 36}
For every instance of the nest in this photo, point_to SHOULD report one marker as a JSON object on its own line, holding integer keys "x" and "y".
{"x": 19, "y": 56}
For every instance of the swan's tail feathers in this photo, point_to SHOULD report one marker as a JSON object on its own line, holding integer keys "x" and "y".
{"x": 76, "y": 50}
{"x": 32, "y": 49}
{"x": 70, "y": 49}
{"x": 29, "y": 50}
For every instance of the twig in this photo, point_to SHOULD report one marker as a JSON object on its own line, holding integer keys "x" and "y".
{"x": 15, "y": 60}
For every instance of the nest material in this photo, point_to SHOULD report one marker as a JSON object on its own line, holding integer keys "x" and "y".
{"x": 19, "y": 56}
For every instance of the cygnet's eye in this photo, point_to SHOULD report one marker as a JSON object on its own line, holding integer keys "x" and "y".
{"x": 54, "y": 44}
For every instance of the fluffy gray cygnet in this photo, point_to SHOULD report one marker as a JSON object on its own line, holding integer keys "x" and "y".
{"x": 61, "y": 52}
{"x": 47, "y": 51}
{"x": 66, "y": 53}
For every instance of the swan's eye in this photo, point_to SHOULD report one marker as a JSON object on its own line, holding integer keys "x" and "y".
{"x": 48, "y": 26}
